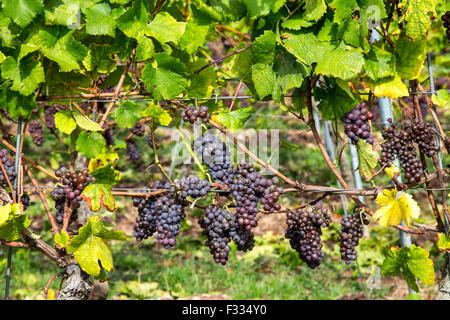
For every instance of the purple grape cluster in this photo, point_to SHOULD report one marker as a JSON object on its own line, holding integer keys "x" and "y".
{"x": 192, "y": 186}
{"x": 192, "y": 114}
{"x": 68, "y": 191}
{"x": 8, "y": 164}
{"x": 304, "y": 228}
{"x": 35, "y": 130}
{"x": 161, "y": 214}
{"x": 356, "y": 124}
{"x": 217, "y": 224}
{"x": 352, "y": 229}
{"x": 133, "y": 150}
{"x": 108, "y": 133}
{"x": 214, "y": 153}
{"x": 138, "y": 129}
{"x": 400, "y": 140}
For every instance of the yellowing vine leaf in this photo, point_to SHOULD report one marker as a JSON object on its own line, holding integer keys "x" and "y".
{"x": 393, "y": 209}
{"x": 392, "y": 171}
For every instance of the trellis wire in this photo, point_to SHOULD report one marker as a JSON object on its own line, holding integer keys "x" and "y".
{"x": 216, "y": 98}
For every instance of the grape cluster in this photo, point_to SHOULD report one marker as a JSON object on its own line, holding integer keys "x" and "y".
{"x": 352, "y": 230}
{"x": 356, "y": 124}
{"x": 304, "y": 228}
{"x": 192, "y": 186}
{"x": 217, "y": 224}
{"x": 425, "y": 137}
{"x": 250, "y": 187}
{"x": 108, "y": 134}
{"x": 68, "y": 191}
{"x": 191, "y": 114}
{"x": 24, "y": 199}
{"x": 149, "y": 140}
{"x": 35, "y": 130}
{"x": 10, "y": 170}
{"x": 161, "y": 213}
{"x": 400, "y": 142}
{"x": 446, "y": 22}
{"x": 133, "y": 150}
{"x": 214, "y": 153}
{"x": 138, "y": 129}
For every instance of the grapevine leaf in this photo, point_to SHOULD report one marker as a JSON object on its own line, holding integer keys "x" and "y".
{"x": 263, "y": 48}
{"x": 4, "y": 213}
{"x": 102, "y": 160}
{"x": 441, "y": 98}
{"x": 289, "y": 72}
{"x": 306, "y": 47}
{"x": 165, "y": 28}
{"x": 231, "y": 10}
{"x": 155, "y": 111}
{"x": 22, "y": 12}
{"x": 368, "y": 159}
{"x": 167, "y": 79}
{"x": 314, "y": 9}
{"x": 264, "y": 79}
{"x": 25, "y": 74}
{"x": 2, "y": 56}
{"x": 99, "y": 195}
{"x": 334, "y": 100}
{"x": 340, "y": 63}
{"x": 258, "y": 8}
{"x": 392, "y": 171}
{"x": 65, "y": 122}
{"x": 235, "y": 119}
{"x": 409, "y": 57}
{"x": 58, "y": 44}
{"x": 394, "y": 208}
{"x": 62, "y": 239}
{"x": 90, "y": 144}
{"x": 443, "y": 242}
{"x": 145, "y": 49}
{"x": 64, "y": 14}
{"x": 16, "y": 104}
{"x": 296, "y": 23}
{"x": 342, "y": 9}
{"x": 391, "y": 87}
{"x": 90, "y": 246}
{"x": 417, "y": 14}
{"x": 134, "y": 21}
{"x": 378, "y": 64}
{"x": 12, "y": 221}
{"x": 420, "y": 264}
{"x": 85, "y": 123}
{"x": 127, "y": 114}
{"x": 98, "y": 20}
{"x": 106, "y": 175}
{"x": 193, "y": 37}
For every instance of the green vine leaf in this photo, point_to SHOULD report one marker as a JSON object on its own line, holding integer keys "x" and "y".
{"x": 65, "y": 122}
{"x": 165, "y": 28}
{"x": 85, "y": 123}
{"x": 417, "y": 14}
{"x": 12, "y": 221}
{"x": 98, "y": 20}
{"x": 155, "y": 111}
{"x": 410, "y": 262}
{"x": 127, "y": 114}
{"x": 90, "y": 144}
{"x": 25, "y": 74}
{"x": 22, "y": 12}
{"x": 90, "y": 246}
{"x": 235, "y": 119}
{"x": 167, "y": 78}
